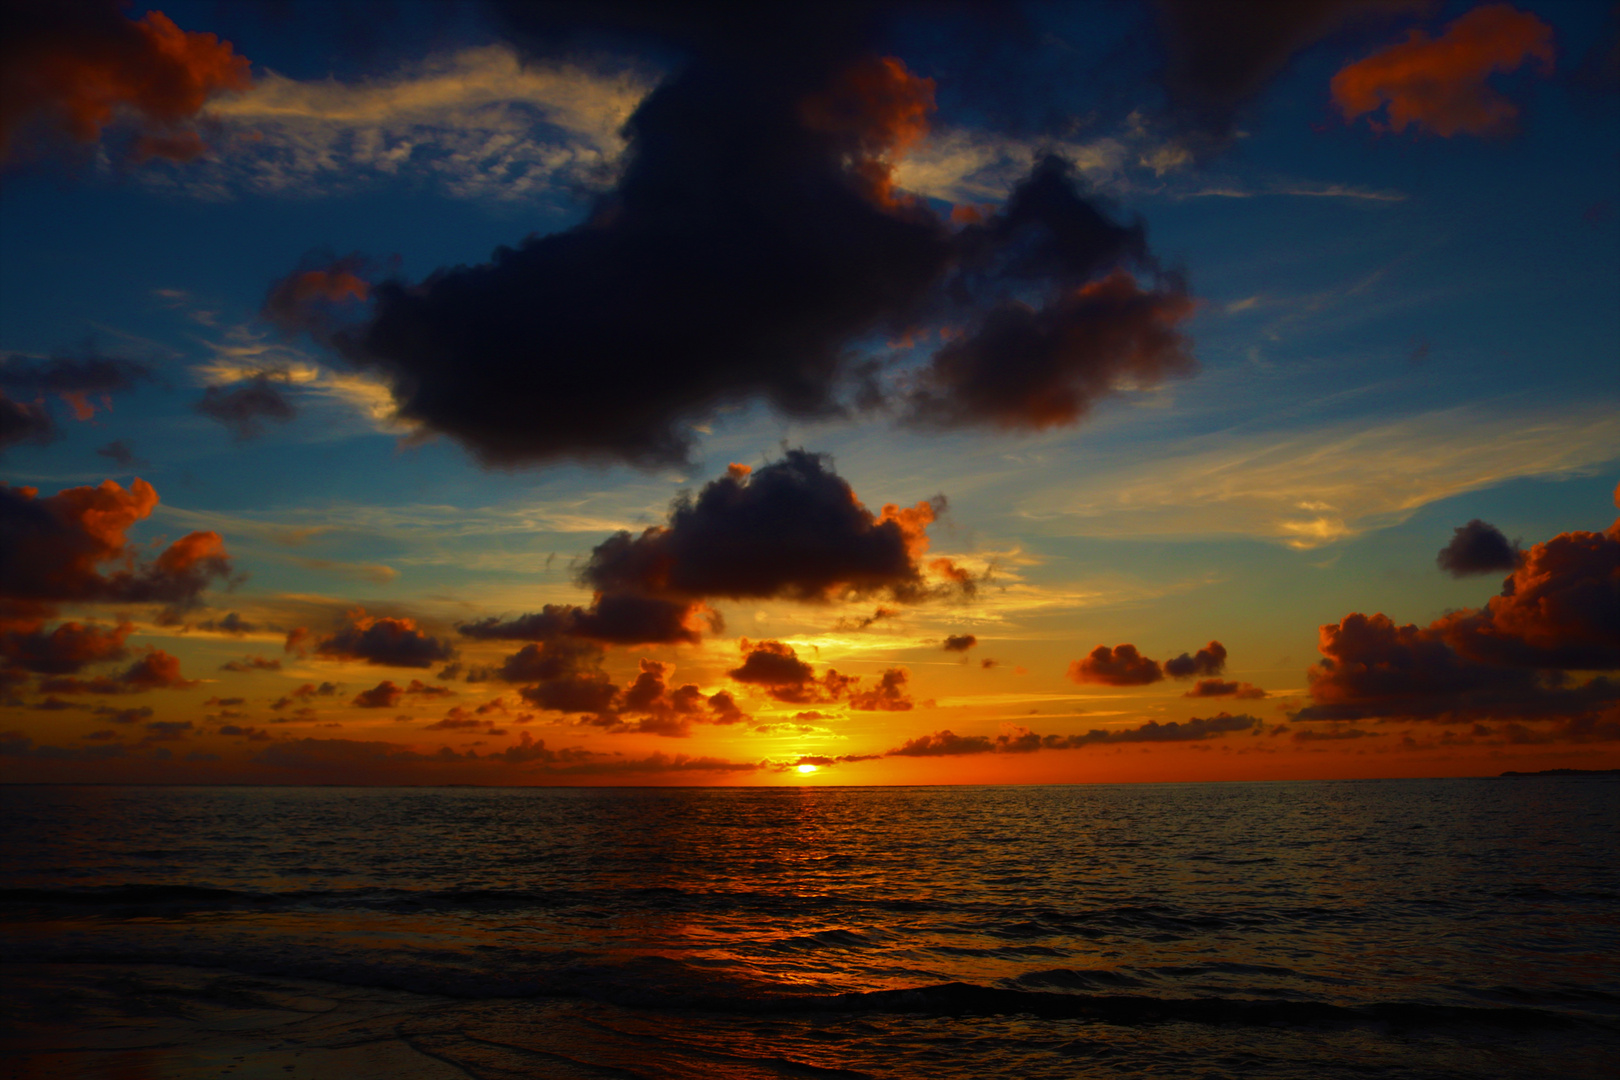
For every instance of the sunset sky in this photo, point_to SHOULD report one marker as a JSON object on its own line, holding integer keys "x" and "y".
{"x": 880, "y": 394}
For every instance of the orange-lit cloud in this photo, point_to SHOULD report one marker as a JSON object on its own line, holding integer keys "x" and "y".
{"x": 1558, "y": 613}
{"x": 1440, "y": 83}
{"x": 75, "y": 68}
{"x": 156, "y": 670}
{"x": 1023, "y": 741}
{"x": 875, "y": 110}
{"x": 56, "y": 547}
{"x": 66, "y": 649}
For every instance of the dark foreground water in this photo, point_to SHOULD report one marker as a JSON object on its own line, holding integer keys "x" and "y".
{"x": 1466, "y": 928}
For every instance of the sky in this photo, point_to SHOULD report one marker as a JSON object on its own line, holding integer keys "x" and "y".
{"x": 517, "y": 393}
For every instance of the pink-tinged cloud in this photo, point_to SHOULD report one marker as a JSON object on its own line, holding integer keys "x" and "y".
{"x": 74, "y": 68}
{"x": 1441, "y": 83}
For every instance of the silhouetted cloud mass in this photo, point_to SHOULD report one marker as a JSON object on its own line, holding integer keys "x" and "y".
{"x": 383, "y": 640}
{"x": 1119, "y": 666}
{"x": 1477, "y": 548}
{"x": 1210, "y": 660}
{"x": 753, "y": 247}
{"x": 792, "y": 529}
{"x": 1558, "y": 613}
{"x": 1023, "y": 741}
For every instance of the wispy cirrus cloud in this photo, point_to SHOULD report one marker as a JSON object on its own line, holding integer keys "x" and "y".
{"x": 478, "y": 123}
{"x": 1308, "y": 489}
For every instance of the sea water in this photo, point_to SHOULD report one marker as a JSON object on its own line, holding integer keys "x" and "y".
{"x": 1421, "y": 928}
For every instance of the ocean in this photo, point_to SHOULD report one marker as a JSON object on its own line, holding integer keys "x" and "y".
{"x": 1397, "y": 928}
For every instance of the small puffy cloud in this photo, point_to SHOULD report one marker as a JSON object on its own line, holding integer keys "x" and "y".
{"x": 1477, "y": 548}
{"x": 1210, "y": 660}
{"x": 960, "y": 643}
{"x": 1205, "y": 688}
{"x": 386, "y": 641}
{"x": 1119, "y": 666}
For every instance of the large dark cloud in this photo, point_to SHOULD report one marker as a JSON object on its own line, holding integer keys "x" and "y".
{"x": 1517, "y": 657}
{"x": 1477, "y": 548}
{"x": 752, "y": 249}
{"x": 792, "y": 529}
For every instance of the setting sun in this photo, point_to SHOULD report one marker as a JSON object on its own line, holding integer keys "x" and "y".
{"x": 807, "y": 769}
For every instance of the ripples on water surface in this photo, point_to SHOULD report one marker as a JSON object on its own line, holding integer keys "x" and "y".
{"x": 1418, "y": 928}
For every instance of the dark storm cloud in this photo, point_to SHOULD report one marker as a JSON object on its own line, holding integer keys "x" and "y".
{"x": 1477, "y": 548}
{"x": 243, "y": 408}
{"x": 754, "y": 240}
{"x": 1222, "y": 55}
{"x": 792, "y": 529}
{"x": 383, "y": 640}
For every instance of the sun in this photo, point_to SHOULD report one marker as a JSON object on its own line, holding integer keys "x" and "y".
{"x": 807, "y": 769}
